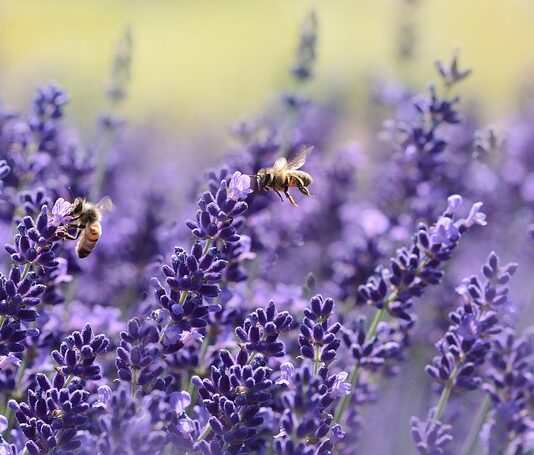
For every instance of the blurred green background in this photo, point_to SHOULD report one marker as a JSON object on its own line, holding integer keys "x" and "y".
{"x": 201, "y": 63}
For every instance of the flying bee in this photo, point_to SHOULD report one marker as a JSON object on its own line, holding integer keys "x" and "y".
{"x": 86, "y": 219}
{"x": 284, "y": 175}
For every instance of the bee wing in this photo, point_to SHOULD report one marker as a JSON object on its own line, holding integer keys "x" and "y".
{"x": 299, "y": 159}
{"x": 105, "y": 205}
{"x": 280, "y": 164}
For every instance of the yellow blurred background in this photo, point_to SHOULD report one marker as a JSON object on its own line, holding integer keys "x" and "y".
{"x": 200, "y": 62}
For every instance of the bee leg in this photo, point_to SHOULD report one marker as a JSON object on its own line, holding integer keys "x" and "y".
{"x": 279, "y": 195}
{"x": 304, "y": 190}
{"x": 63, "y": 233}
{"x": 66, "y": 235}
{"x": 286, "y": 191}
{"x": 301, "y": 187}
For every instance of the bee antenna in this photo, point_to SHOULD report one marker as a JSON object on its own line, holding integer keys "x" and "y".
{"x": 70, "y": 191}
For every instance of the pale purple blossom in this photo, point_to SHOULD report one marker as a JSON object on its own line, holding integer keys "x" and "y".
{"x": 180, "y": 401}
{"x": 185, "y": 426}
{"x": 60, "y": 212}
{"x": 191, "y": 337}
{"x": 453, "y": 203}
{"x": 287, "y": 371}
{"x": 341, "y": 387}
{"x": 445, "y": 231}
{"x": 9, "y": 360}
{"x": 104, "y": 397}
{"x": 239, "y": 186}
{"x": 476, "y": 216}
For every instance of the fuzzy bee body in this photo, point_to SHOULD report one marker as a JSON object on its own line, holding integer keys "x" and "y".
{"x": 86, "y": 219}
{"x": 284, "y": 175}
{"x": 91, "y": 233}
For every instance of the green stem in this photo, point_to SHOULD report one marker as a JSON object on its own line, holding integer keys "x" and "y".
{"x": 207, "y": 245}
{"x": 316, "y": 359}
{"x": 251, "y": 358}
{"x": 68, "y": 381}
{"x": 446, "y": 393}
{"x": 205, "y": 432}
{"x": 471, "y": 442}
{"x": 355, "y": 373}
{"x": 26, "y": 270}
{"x": 133, "y": 385}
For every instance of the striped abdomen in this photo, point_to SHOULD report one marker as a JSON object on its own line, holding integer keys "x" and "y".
{"x": 88, "y": 239}
{"x": 299, "y": 178}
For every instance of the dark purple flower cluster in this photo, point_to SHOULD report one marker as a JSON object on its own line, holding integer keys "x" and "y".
{"x": 467, "y": 343}
{"x": 510, "y": 426}
{"x": 415, "y": 268}
{"x": 51, "y": 418}
{"x": 261, "y": 330}
{"x": 215, "y": 217}
{"x": 309, "y": 393}
{"x": 317, "y": 339}
{"x": 33, "y": 256}
{"x": 137, "y": 356}
{"x": 233, "y": 395}
{"x": 77, "y": 354}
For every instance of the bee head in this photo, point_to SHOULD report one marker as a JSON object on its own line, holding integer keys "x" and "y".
{"x": 77, "y": 207}
{"x": 263, "y": 178}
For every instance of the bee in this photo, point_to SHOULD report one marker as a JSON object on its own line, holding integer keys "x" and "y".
{"x": 86, "y": 219}
{"x": 240, "y": 390}
{"x": 284, "y": 175}
{"x": 57, "y": 413}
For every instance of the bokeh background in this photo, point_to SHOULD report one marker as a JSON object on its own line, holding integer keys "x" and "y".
{"x": 201, "y": 64}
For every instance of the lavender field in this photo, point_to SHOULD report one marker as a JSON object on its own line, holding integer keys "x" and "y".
{"x": 312, "y": 283}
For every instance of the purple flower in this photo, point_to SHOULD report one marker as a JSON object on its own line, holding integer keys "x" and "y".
{"x": 233, "y": 395}
{"x": 317, "y": 339}
{"x": 341, "y": 387}
{"x": 453, "y": 204}
{"x": 287, "y": 371}
{"x": 138, "y": 355}
{"x": 179, "y": 401}
{"x": 476, "y": 216}
{"x": 431, "y": 436}
{"x": 261, "y": 331}
{"x": 450, "y": 73}
{"x": 7, "y": 361}
{"x": 51, "y": 417}
{"x": 77, "y": 354}
{"x": 104, "y": 397}
{"x": 444, "y": 231}
{"x": 191, "y": 337}
{"x": 239, "y": 186}
{"x": 467, "y": 342}
{"x": 61, "y": 212}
